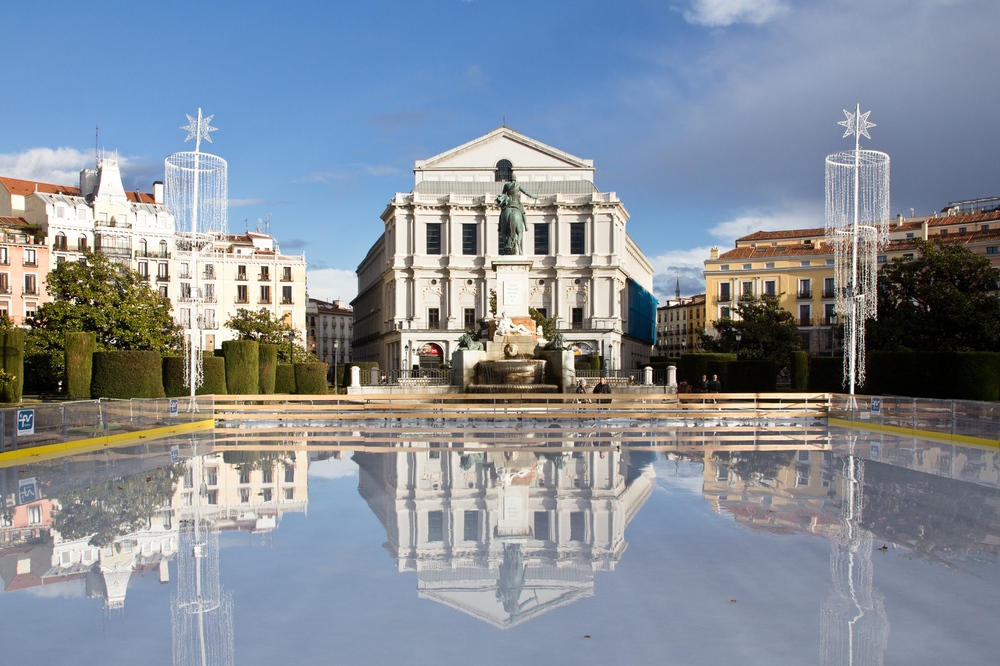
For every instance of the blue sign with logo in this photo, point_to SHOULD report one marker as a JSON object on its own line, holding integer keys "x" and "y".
{"x": 25, "y": 422}
{"x": 27, "y": 491}
{"x": 175, "y": 453}
{"x": 876, "y": 406}
{"x": 173, "y": 406}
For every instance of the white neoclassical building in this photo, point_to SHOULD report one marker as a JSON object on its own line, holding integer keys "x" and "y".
{"x": 429, "y": 276}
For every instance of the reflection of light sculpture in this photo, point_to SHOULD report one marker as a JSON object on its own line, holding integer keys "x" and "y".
{"x": 854, "y": 627}
{"x": 202, "y": 614}
{"x": 857, "y": 224}
{"x": 197, "y": 192}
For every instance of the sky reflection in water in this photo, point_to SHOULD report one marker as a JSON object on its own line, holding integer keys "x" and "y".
{"x": 423, "y": 545}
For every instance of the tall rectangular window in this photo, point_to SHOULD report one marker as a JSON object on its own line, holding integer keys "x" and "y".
{"x": 30, "y": 285}
{"x": 541, "y": 525}
{"x": 469, "y": 240}
{"x": 724, "y": 292}
{"x": 434, "y": 238}
{"x": 470, "y": 529}
{"x": 577, "y": 526}
{"x": 828, "y": 288}
{"x": 805, "y": 288}
{"x": 242, "y": 295}
{"x": 770, "y": 288}
{"x": 435, "y": 526}
{"x": 804, "y": 315}
{"x": 469, "y": 319}
{"x": 265, "y": 293}
{"x": 576, "y": 318}
{"x": 286, "y": 295}
{"x": 433, "y": 318}
{"x": 747, "y": 289}
{"x": 541, "y": 239}
{"x": 577, "y": 237}
{"x": 830, "y": 314}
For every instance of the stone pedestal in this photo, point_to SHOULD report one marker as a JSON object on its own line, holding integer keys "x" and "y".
{"x": 562, "y": 367}
{"x": 512, "y": 286}
{"x": 463, "y": 367}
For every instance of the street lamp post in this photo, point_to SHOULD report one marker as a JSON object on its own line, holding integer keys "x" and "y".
{"x": 739, "y": 336}
{"x": 291, "y": 346}
{"x": 335, "y": 389}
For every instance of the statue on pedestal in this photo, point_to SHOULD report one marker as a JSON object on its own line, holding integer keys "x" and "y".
{"x": 507, "y": 327}
{"x": 513, "y": 219}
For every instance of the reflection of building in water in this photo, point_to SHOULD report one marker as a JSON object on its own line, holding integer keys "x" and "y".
{"x": 250, "y": 492}
{"x": 775, "y": 491}
{"x": 506, "y": 535}
{"x": 854, "y": 627}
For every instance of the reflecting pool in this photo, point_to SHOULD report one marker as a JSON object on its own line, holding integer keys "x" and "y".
{"x": 423, "y": 542}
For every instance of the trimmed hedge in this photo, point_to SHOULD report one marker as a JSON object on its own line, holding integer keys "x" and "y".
{"x": 310, "y": 378}
{"x": 826, "y": 374}
{"x": 284, "y": 378}
{"x": 13, "y": 363}
{"x": 745, "y": 376}
{"x": 242, "y": 366}
{"x": 214, "y": 382}
{"x": 173, "y": 377}
{"x": 693, "y": 366}
{"x": 213, "y": 377}
{"x": 946, "y": 375}
{"x": 800, "y": 370}
{"x": 80, "y": 348}
{"x": 127, "y": 374}
{"x": 267, "y": 360}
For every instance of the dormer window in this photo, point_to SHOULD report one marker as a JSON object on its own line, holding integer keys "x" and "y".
{"x": 504, "y": 170}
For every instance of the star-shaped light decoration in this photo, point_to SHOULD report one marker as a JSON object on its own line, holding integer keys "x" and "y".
{"x": 856, "y": 123}
{"x": 198, "y": 128}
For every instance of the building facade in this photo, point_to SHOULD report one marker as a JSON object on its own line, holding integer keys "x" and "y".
{"x": 679, "y": 324}
{"x": 212, "y": 276}
{"x": 797, "y": 266}
{"x": 330, "y": 331}
{"x": 429, "y": 276}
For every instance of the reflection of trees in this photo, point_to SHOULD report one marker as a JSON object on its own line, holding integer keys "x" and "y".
{"x": 928, "y": 513}
{"x": 252, "y": 460}
{"x": 116, "y": 508}
{"x": 755, "y": 465}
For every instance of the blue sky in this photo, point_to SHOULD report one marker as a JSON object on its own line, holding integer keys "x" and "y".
{"x": 709, "y": 118}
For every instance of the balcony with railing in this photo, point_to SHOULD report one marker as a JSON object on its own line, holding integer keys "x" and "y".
{"x": 5, "y": 288}
{"x": 164, "y": 277}
{"x": 264, "y": 300}
{"x": 829, "y": 293}
{"x": 264, "y": 277}
{"x": 152, "y": 254}
{"x": 287, "y": 300}
{"x": 242, "y": 277}
{"x": 31, "y": 291}
{"x": 724, "y": 298}
{"x": 242, "y": 300}
{"x": 805, "y": 294}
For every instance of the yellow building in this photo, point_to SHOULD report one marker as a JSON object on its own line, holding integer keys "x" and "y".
{"x": 798, "y": 266}
{"x": 679, "y": 324}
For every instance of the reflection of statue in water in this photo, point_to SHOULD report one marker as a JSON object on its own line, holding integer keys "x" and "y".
{"x": 511, "y": 581}
{"x": 513, "y": 219}
{"x": 506, "y": 326}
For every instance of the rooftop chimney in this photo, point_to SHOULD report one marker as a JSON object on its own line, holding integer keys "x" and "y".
{"x": 158, "y": 192}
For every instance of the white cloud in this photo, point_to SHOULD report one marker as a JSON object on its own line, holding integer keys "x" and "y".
{"x": 799, "y": 215}
{"x": 333, "y": 468}
{"x": 720, "y": 13}
{"x": 233, "y": 203}
{"x": 60, "y": 166}
{"x": 331, "y": 284}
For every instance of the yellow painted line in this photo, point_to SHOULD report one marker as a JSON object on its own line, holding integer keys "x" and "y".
{"x": 72, "y": 447}
{"x": 914, "y": 432}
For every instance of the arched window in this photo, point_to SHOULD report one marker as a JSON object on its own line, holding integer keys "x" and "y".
{"x": 504, "y": 171}
{"x": 163, "y": 249}
{"x": 81, "y": 244}
{"x": 60, "y": 241}
{"x": 143, "y": 250}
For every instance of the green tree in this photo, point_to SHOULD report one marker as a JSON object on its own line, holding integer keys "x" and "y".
{"x": 115, "y": 302}
{"x": 264, "y": 327}
{"x": 107, "y": 511}
{"x": 546, "y": 326}
{"x": 767, "y": 332}
{"x": 944, "y": 300}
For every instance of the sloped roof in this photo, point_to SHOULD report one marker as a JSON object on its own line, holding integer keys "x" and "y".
{"x": 12, "y": 222}
{"x": 770, "y": 251}
{"x": 779, "y": 235}
{"x": 26, "y": 187}
{"x": 540, "y": 188}
{"x": 502, "y": 133}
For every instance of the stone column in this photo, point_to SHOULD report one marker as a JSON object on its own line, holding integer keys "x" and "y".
{"x": 672, "y": 376}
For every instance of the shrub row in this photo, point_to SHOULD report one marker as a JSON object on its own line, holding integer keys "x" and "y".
{"x": 127, "y": 374}
{"x": 13, "y": 364}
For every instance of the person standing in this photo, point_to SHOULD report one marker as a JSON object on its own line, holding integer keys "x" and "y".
{"x": 603, "y": 387}
{"x": 715, "y": 386}
{"x": 703, "y": 384}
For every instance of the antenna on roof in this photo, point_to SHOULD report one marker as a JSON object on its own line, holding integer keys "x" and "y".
{"x": 97, "y": 142}
{"x": 504, "y": 111}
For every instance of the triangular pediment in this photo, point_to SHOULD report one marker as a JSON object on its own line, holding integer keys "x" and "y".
{"x": 504, "y": 143}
